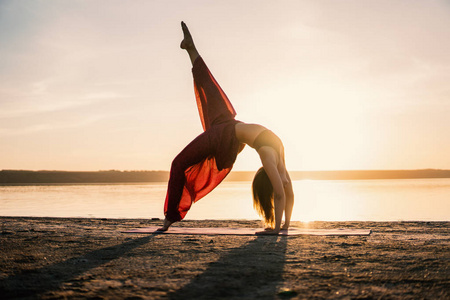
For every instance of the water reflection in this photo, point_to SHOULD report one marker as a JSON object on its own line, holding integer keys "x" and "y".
{"x": 364, "y": 200}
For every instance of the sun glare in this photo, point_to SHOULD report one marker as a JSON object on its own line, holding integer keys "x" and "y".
{"x": 322, "y": 200}
{"x": 322, "y": 128}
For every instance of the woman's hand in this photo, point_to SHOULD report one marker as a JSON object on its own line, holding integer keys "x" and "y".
{"x": 285, "y": 226}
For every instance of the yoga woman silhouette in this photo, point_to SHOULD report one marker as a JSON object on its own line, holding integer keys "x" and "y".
{"x": 208, "y": 159}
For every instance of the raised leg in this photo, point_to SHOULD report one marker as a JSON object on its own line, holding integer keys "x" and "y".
{"x": 188, "y": 43}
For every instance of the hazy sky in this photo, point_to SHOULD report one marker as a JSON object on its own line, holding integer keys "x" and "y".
{"x": 98, "y": 85}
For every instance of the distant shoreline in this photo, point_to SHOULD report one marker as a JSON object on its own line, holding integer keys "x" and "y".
{"x": 115, "y": 176}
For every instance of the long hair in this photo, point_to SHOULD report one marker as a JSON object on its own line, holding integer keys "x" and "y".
{"x": 263, "y": 197}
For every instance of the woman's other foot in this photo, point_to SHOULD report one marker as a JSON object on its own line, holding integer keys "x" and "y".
{"x": 166, "y": 225}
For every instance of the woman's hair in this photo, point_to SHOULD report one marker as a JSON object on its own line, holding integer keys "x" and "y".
{"x": 263, "y": 197}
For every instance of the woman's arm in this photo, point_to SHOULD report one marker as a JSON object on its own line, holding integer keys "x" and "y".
{"x": 269, "y": 161}
{"x": 289, "y": 192}
{"x": 279, "y": 202}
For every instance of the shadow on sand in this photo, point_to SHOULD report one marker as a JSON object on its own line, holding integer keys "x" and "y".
{"x": 31, "y": 283}
{"x": 254, "y": 270}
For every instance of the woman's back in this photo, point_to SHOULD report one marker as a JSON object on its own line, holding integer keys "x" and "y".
{"x": 247, "y": 133}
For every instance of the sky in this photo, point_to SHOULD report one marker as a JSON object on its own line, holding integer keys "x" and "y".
{"x": 347, "y": 85}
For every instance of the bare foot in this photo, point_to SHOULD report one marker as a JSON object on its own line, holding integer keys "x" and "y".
{"x": 166, "y": 225}
{"x": 187, "y": 42}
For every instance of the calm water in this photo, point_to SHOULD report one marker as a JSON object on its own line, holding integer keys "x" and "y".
{"x": 359, "y": 200}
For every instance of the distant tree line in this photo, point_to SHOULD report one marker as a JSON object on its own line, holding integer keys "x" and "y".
{"x": 114, "y": 176}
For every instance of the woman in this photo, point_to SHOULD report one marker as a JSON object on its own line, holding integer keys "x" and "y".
{"x": 208, "y": 159}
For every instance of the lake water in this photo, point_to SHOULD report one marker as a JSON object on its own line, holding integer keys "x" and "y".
{"x": 347, "y": 200}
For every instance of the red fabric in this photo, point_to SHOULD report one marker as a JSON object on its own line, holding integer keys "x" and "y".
{"x": 213, "y": 105}
{"x": 208, "y": 159}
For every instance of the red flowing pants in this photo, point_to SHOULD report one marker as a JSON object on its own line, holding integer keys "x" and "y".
{"x": 208, "y": 159}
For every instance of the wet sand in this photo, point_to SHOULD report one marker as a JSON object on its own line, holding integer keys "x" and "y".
{"x": 61, "y": 258}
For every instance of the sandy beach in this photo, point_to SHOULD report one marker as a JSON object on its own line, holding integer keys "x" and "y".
{"x": 62, "y": 258}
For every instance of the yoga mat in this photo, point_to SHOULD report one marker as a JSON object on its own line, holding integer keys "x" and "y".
{"x": 248, "y": 231}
